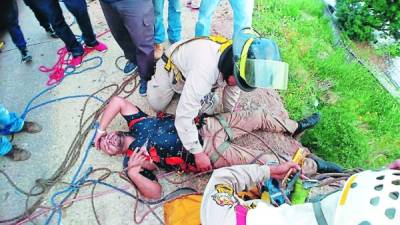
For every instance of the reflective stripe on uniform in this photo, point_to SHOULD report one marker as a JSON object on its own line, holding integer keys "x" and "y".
{"x": 224, "y": 146}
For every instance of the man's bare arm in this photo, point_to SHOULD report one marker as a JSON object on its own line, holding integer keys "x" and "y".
{"x": 115, "y": 106}
{"x": 147, "y": 188}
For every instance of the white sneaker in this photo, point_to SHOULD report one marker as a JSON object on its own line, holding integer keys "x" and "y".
{"x": 195, "y": 4}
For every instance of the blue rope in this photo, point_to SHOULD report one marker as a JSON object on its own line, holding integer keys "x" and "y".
{"x": 67, "y": 74}
{"x": 74, "y": 185}
{"x": 61, "y": 99}
{"x": 69, "y": 71}
{"x": 28, "y": 108}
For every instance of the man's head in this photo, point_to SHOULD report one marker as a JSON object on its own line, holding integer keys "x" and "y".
{"x": 225, "y": 66}
{"x": 112, "y": 143}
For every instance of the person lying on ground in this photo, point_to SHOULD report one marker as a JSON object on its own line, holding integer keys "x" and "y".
{"x": 369, "y": 197}
{"x": 196, "y": 68}
{"x": 10, "y": 123}
{"x": 153, "y": 142}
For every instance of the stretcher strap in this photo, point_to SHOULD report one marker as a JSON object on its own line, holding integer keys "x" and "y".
{"x": 319, "y": 214}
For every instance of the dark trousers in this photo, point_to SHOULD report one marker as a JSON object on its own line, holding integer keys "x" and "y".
{"x": 40, "y": 16}
{"x": 132, "y": 24}
{"x": 78, "y": 8}
{"x": 13, "y": 27}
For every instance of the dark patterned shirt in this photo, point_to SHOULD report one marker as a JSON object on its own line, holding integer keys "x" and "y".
{"x": 159, "y": 136}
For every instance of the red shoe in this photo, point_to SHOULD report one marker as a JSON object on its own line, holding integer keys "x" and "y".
{"x": 76, "y": 61}
{"x": 100, "y": 47}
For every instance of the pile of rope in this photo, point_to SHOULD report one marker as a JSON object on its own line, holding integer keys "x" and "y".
{"x": 43, "y": 185}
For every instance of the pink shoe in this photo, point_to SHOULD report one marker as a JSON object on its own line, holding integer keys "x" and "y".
{"x": 100, "y": 47}
{"x": 76, "y": 61}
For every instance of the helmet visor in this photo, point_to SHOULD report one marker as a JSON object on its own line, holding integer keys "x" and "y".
{"x": 262, "y": 73}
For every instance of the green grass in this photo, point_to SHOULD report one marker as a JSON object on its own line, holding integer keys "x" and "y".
{"x": 360, "y": 124}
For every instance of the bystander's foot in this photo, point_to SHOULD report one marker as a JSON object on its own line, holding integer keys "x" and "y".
{"x": 100, "y": 47}
{"x": 194, "y": 4}
{"x": 130, "y": 67}
{"x": 26, "y": 57}
{"x": 31, "y": 127}
{"x": 18, "y": 154}
{"x": 143, "y": 88}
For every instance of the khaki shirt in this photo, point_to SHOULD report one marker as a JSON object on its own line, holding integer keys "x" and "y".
{"x": 198, "y": 63}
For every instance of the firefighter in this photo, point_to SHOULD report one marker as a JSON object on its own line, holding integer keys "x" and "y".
{"x": 195, "y": 68}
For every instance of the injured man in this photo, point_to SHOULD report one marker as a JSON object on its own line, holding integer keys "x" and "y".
{"x": 152, "y": 142}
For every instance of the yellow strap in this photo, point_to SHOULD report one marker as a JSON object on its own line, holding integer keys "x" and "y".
{"x": 224, "y": 46}
{"x": 218, "y": 39}
{"x": 243, "y": 57}
{"x": 346, "y": 190}
{"x": 169, "y": 65}
{"x": 225, "y": 43}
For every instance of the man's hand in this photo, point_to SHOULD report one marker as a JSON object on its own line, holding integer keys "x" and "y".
{"x": 278, "y": 172}
{"x": 97, "y": 139}
{"x": 395, "y": 165}
{"x": 136, "y": 161}
{"x": 202, "y": 162}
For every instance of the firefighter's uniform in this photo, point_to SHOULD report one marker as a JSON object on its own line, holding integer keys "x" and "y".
{"x": 193, "y": 74}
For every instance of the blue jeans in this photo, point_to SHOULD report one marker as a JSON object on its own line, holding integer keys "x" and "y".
{"x": 14, "y": 29}
{"x": 242, "y": 15}
{"x": 174, "y": 21}
{"x": 40, "y": 16}
{"x": 78, "y": 8}
{"x": 9, "y": 123}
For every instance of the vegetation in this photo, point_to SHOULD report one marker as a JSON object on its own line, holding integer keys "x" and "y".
{"x": 391, "y": 50}
{"x": 360, "y": 124}
{"x": 361, "y": 18}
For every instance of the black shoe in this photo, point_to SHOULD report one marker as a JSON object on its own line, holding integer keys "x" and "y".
{"x": 306, "y": 123}
{"x": 26, "y": 57}
{"x": 325, "y": 166}
{"x": 51, "y": 32}
{"x": 130, "y": 67}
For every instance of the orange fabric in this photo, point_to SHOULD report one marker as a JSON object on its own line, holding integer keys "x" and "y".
{"x": 183, "y": 211}
{"x": 251, "y": 194}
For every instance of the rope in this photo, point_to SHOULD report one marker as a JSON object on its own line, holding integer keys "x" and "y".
{"x": 61, "y": 68}
{"x": 42, "y": 186}
{"x": 74, "y": 183}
